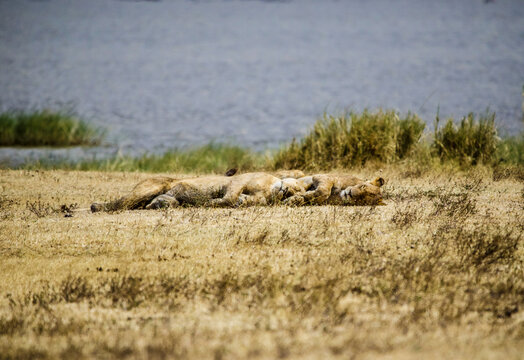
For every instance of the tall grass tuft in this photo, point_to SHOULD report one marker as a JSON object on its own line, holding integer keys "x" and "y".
{"x": 210, "y": 158}
{"x": 353, "y": 139}
{"x": 46, "y": 128}
{"x": 510, "y": 150}
{"x": 474, "y": 140}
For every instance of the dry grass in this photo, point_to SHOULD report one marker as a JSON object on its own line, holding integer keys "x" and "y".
{"x": 437, "y": 273}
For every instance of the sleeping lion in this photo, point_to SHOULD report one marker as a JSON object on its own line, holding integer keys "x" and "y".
{"x": 246, "y": 189}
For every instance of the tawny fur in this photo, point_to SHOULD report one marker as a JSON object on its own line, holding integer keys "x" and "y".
{"x": 249, "y": 188}
{"x": 322, "y": 189}
{"x": 140, "y": 196}
{"x": 245, "y": 189}
{"x": 295, "y": 174}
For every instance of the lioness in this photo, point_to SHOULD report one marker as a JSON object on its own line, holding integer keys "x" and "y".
{"x": 338, "y": 189}
{"x": 246, "y": 189}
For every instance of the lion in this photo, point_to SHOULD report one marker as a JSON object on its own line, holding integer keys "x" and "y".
{"x": 323, "y": 189}
{"x": 245, "y": 189}
{"x": 294, "y": 174}
{"x": 248, "y": 189}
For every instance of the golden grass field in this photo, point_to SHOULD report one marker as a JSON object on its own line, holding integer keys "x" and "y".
{"x": 437, "y": 273}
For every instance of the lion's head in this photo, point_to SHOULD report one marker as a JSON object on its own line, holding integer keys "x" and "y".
{"x": 367, "y": 193}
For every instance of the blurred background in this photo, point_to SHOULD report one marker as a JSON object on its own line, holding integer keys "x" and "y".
{"x": 177, "y": 73}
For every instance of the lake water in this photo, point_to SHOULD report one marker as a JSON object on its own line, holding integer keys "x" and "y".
{"x": 164, "y": 74}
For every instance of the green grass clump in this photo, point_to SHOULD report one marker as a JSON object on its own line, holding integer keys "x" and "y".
{"x": 510, "y": 158}
{"x": 353, "y": 139}
{"x": 46, "y": 128}
{"x": 210, "y": 158}
{"x": 510, "y": 150}
{"x": 474, "y": 140}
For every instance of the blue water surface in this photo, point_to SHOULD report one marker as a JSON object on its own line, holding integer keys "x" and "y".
{"x": 164, "y": 74}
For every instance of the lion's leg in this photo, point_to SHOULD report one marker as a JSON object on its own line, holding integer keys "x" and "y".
{"x": 230, "y": 198}
{"x": 295, "y": 200}
{"x": 251, "y": 200}
{"x": 139, "y": 197}
{"x": 187, "y": 194}
{"x": 321, "y": 193}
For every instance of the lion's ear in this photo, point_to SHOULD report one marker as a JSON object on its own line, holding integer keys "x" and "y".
{"x": 378, "y": 181}
{"x": 231, "y": 172}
